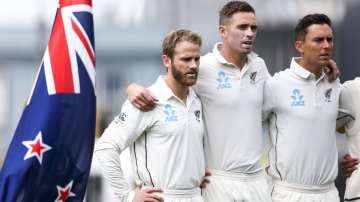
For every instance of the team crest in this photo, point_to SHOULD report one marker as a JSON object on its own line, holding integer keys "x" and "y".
{"x": 253, "y": 77}
{"x": 197, "y": 115}
{"x": 328, "y": 95}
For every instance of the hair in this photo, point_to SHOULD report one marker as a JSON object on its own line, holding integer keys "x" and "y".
{"x": 174, "y": 37}
{"x": 232, "y": 7}
{"x": 301, "y": 28}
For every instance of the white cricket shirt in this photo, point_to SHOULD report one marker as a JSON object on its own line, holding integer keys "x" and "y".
{"x": 303, "y": 114}
{"x": 232, "y": 101}
{"x": 166, "y": 144}
{"x": 349, "y": 102}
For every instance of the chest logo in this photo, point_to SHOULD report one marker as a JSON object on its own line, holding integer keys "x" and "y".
{"x": 328, "y": 95}
{"x": 253, "y": 77}
{"x": 169, "y": 113}
{"x": 223, "y": 80}
{"x": 297, "y": 98}
{"x": 197, "y": 115}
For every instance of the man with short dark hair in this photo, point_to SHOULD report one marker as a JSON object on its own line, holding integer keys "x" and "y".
{"x": 166, "y": 143}
{"x": 302, "y": 106}
{"x": 230, "y": 87}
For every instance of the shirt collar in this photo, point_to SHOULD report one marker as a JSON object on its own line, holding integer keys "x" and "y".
{"x": 301, "y": 71}
{"x": 191, "y": 97}
{"x": 251, "y": 56}
{"x": 167, "y": 93}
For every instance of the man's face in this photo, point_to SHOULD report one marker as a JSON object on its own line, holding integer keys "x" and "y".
{"x": 240, "y": 32}
{"x": 184, "y": 66}
{"x": 316, "y": 49}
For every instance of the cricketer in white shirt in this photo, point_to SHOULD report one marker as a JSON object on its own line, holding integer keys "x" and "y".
{"x": 232, "y": 101}
{"x": 166, "y": 145}
{"x": 349, "y": 104}
{"x": 302, "y": 113}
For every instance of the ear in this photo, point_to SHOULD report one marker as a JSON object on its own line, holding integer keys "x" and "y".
{"x": 167, "y": 61}
{"x": 299, "y": 46}
{"x": 222, "y": 30}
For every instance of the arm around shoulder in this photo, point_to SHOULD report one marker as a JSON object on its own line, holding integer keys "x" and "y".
{"x": 141, "y": 97}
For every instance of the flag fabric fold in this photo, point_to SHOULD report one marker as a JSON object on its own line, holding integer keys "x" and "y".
{"x": 50, "y": 155}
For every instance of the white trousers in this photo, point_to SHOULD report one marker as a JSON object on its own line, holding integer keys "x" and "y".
{"x": 285, "y": 192}
{"x": 231, "y": 187}
{"x": 193, "y": 195}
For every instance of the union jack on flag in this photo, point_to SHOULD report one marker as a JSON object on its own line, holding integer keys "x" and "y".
{"x": 50, "y": 155}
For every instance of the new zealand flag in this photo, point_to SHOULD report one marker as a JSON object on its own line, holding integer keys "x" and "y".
{"x": 50, "y": 155}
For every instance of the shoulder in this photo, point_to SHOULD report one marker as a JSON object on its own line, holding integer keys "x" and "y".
{"x": 208, "y": 64}
{"x": 258, "y": 64}
{"x": 129, "y": 109}
{"x": 156, "y": 90}
{"x": 208, "y": 60}
{"x": 258, "y": 61}
{"x": 352, "y": 84}
{"x": 335, "y": 85}
{"x": 350, "y": 88}
{"x": 279, "y": 76}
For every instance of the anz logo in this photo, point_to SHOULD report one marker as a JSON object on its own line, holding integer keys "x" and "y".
{"x": 170, "y": 114}
{"x": 223, "y": 80}
{"x": 297, "y": 98}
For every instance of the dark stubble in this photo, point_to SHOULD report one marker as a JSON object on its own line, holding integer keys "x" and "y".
{"x": 181, "y": 77}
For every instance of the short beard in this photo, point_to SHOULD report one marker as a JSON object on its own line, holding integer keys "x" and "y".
{"x": 180, "y": 77}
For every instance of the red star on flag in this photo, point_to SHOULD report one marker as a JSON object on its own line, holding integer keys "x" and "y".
{"x": 36, "y": 148}
{"x": 64, "y": 192}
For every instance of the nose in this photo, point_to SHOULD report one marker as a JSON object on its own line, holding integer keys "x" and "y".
{"x": 327, "y": 44}
{"x": 249, "y": 32}
{"x": 194, "y": 64}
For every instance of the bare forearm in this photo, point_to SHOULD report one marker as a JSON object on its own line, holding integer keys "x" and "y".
{"x": 140, "y": 97}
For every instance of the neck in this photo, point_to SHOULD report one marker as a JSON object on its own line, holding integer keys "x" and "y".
{"x": 178, "y": 89}
{"x": 315, "y": 69}
{"x": 231, "y": 56}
